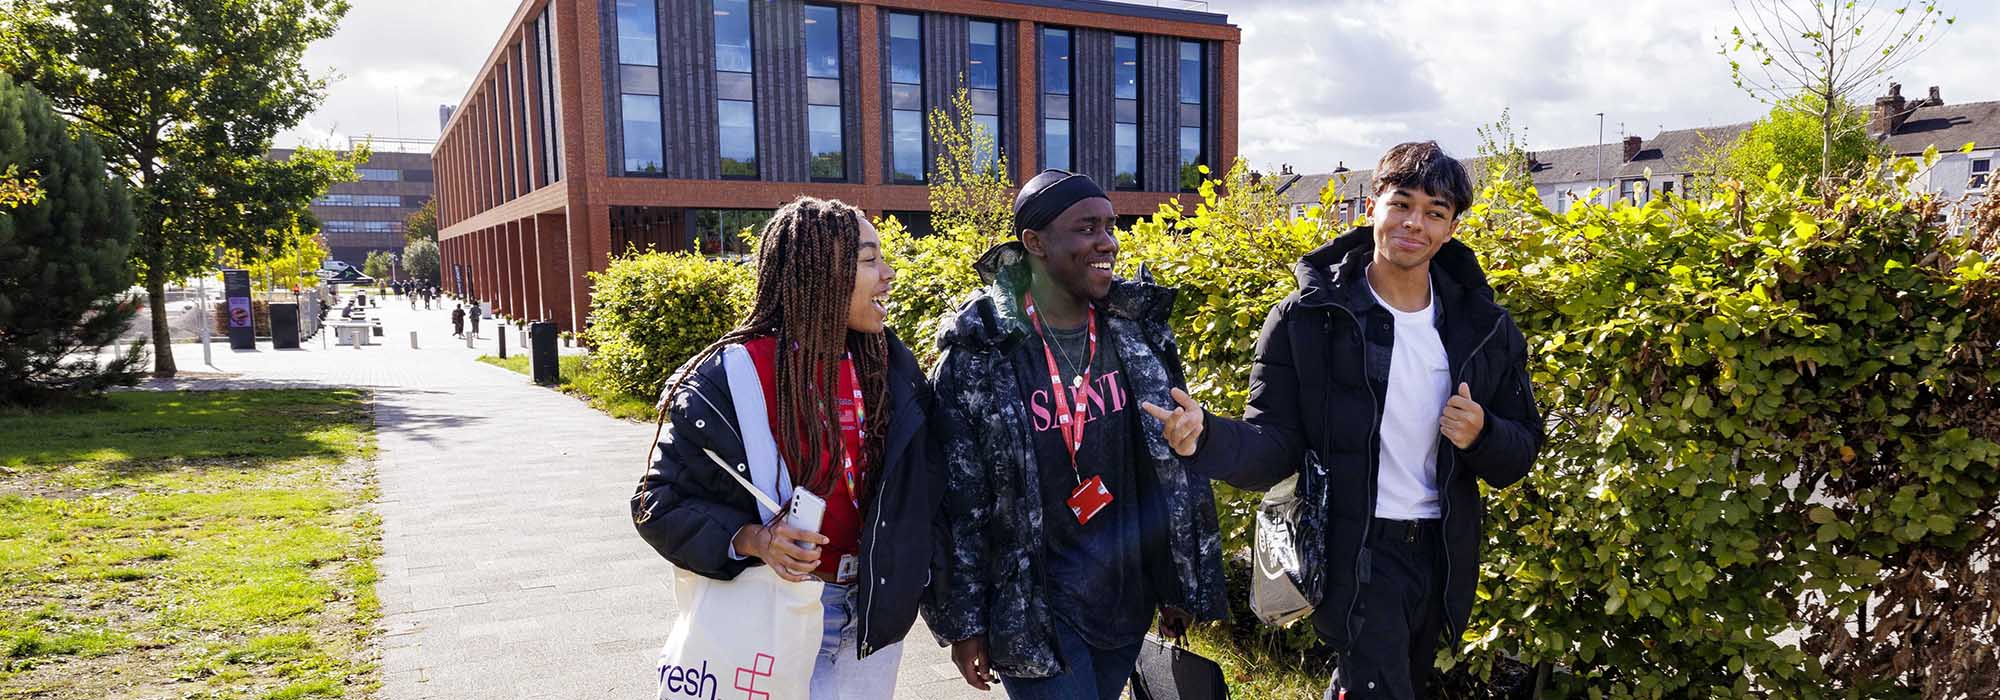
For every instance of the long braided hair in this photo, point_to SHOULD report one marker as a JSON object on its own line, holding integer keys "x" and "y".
{"x": 806, "y": 259}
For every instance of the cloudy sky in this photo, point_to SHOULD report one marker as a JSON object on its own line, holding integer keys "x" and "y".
{"x": 1324, "y": 82}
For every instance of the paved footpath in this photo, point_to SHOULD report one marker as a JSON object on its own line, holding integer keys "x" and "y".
{"x": 509, "y": 568}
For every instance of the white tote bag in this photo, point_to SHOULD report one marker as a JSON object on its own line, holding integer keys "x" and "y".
{"x": 756, "y": 636}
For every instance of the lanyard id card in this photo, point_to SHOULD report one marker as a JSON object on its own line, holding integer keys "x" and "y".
{"x": 1088, "y": 499}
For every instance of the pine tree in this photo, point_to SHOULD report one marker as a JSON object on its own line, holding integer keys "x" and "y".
{"x": 63, "y": 260}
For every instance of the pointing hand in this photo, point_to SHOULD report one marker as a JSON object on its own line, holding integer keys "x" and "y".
{"x": 1181, "y": 426}
{"x": 1463, "y": 418}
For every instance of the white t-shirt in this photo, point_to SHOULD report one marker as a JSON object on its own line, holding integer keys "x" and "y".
{"x": 1419, "y": 385}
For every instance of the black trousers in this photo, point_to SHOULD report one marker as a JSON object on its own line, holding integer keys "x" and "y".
{"x": 1400, "y": 616}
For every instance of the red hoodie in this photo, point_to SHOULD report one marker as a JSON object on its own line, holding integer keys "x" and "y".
{"x": 842, "y": 523}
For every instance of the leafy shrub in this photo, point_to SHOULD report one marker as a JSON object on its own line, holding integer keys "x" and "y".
{"x": 652, "y": 311}
{"x": 1773, "y": 441}
{"x": 934, "y": 276}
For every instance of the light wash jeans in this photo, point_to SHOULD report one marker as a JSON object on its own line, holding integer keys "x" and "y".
{"x": 838, "y": 674}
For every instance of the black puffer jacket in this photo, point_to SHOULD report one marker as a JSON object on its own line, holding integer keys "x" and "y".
{"x": 1320, "y": 382}
{"x": 688, "y": 509}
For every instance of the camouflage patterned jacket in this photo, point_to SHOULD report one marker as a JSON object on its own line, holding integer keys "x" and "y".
{"x": 992, "y": 579}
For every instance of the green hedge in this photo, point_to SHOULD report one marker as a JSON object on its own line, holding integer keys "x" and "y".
{"x": 652, "y": 311}
{"x": 1772, "y": 417}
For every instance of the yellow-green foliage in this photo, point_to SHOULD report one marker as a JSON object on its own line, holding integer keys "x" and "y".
{"x": 934, "y": 276}
{"x": 652, "y": 311}
{"x": 1769, "y": 412}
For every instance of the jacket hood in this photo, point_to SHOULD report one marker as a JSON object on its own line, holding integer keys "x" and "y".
{"x": 995, "y": 315}
{"x": 1328, "y": 274}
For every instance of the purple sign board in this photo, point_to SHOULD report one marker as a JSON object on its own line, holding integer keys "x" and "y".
{"x": 242, "y": 325}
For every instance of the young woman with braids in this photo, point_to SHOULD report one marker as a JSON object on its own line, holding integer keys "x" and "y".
{"x": 846, "y": 405}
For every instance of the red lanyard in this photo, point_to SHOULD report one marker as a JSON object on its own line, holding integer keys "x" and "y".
{"x": 1069, "y": 418}
{"x": 853, "y": 430}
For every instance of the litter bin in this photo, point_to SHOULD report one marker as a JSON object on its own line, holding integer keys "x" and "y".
{"x": 284, "y": 326}
{"x": 542, "y": 353}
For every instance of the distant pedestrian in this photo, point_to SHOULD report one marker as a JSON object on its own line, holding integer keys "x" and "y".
{"x": 457, "y": 321}
{"x": 474, "y": 313}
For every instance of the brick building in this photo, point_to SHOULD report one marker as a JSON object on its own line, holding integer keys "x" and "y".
{"x": 367, "y": 214}
{"x": 595, "y": 125}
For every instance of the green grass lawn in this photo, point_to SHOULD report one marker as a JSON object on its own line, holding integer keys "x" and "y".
{"x": 189, "y": 544}
{"x": 581, "y": 380}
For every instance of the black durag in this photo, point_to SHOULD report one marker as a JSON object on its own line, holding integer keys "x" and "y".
{"x": 1048, "y": 195}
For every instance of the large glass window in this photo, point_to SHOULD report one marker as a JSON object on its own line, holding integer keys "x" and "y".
{"x": 906, "y": 98}
{"x": 1056, "y": 146}
{"x": 736, "y": 124}
{"x": 550, "y": 121}
{"x": 378, "y": 174}
{"x": 984, "y": 85}
{"x": 823, "y": 103}
{"x": 638, "y": 33}
{"x": 735, "y": 105}
{"x": 719, "y": 232}
{"x": 1193, "y": 114}
{"x": 1125, "y": 95}
{"x": 638, "y": 86}
{"x": 642, "y": 134}
{"x": 732, "y": 36}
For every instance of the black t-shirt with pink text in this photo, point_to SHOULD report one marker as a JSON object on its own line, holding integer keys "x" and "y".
{"x": 1096, "y": 578}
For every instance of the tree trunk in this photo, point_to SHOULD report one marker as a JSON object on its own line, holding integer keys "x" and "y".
{"x": 156, "y": 298}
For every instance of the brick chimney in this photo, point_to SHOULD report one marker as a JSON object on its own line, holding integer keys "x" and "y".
{"x": 1632, "y": 144}
{"x": 1934, "y": 100}
{"x": 1890, "y": 111}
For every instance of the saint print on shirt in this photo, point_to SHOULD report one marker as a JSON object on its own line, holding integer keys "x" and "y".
{"x": 1105, "y": 394}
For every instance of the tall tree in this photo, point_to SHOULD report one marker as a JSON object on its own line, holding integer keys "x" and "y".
{"x": 420, "y": 260}
{"x": 185, "y": 97}
{"x": 63, "y": 253}
{"x": 1826, "y": 50}
{"x": 1791, "y": 136}
{"x": 970, "y": 187}
{"x": 422, "y": 224}
{"x": 378, "y": 265}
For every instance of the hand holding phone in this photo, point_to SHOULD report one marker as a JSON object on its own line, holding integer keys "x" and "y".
{"x": 805, "y": 512}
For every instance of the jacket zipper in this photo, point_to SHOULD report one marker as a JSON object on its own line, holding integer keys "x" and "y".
{"x": 874, "y": 538}
{"x": 1444, "y": 510}
{"x": 1375, "y": 424}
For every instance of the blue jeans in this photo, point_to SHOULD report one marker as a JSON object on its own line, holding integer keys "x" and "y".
{"x": 839, "y": 672}
{"x": 1088, "y": 672}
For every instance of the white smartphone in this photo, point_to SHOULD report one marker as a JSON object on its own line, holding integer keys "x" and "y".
{"x": 806, "y": 510}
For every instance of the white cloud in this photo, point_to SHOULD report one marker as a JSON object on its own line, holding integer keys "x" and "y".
{"x": 1338, "y": 82}
{"x": 393, "y": 62}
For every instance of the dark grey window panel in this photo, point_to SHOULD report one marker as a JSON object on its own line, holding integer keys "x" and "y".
{"x": 735, "y": 86}
{"x": 1055, "y": 107}
{"x": 639, "y": 80}
{"x": 1126, "y": 112}
{"x": 823, "y": 91}
{"x": 906, "y": 97}
{"x": 1190, "y": 115}
{"x": 985, "y": 101}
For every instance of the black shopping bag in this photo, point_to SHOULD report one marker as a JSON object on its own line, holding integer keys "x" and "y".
{"x": 1167, "y": 671}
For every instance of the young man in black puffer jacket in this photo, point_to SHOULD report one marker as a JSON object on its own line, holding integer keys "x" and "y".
{"x": 1394, "y": 366}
